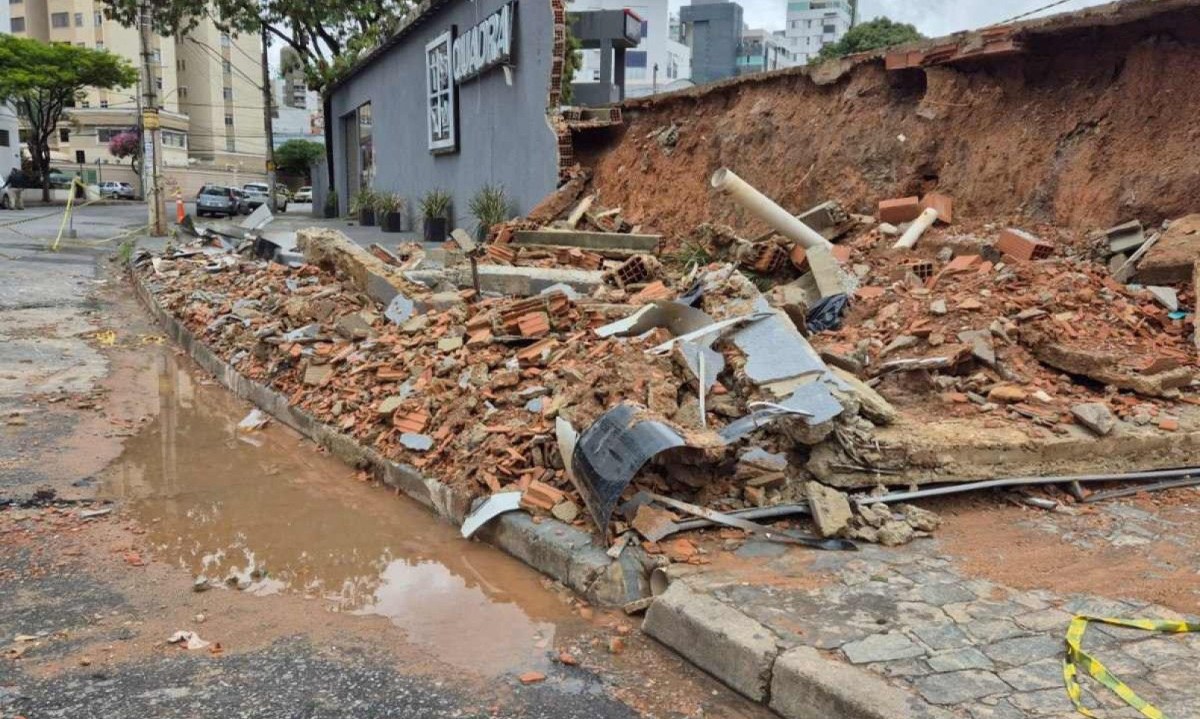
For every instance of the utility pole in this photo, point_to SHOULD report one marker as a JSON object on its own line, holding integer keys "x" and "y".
{"x": 151, "y": 135}
{"x": 266, "y": 83}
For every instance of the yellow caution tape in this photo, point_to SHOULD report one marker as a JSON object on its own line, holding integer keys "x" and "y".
{"x": 1076, "y": 656}
{"x": 108, "y": 338}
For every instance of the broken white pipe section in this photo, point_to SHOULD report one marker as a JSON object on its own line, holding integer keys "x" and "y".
{"x": 923, "y": 222}
{"x": 764, "y": 209}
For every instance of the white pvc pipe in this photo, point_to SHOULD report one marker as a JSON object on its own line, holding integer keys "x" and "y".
{"x": 764, "y": 209}
{"x": 923, "y": 222}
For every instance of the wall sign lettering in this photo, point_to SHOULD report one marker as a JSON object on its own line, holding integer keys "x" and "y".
{"x": 484, "y": 46}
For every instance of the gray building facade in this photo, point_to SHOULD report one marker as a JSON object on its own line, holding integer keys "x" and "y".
{"x": 456, "y": 99}
{"x": 714, "y": 31}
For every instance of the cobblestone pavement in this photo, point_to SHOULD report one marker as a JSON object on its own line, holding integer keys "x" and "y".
{"x": 974, "y": 647}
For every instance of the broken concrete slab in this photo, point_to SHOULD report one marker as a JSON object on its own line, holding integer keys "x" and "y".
{"x": 1105, "y": 367}
{"x": 1095, "y": 416}
{"x": 830, "y": 508}
{"x": 588, "y": 240}
{"x": 335, "y": 252}
{"x": 873, "y": 405}
{"x": 525, "y": 281}
{"x": 827, "y": 273}
{"x": 354, "y": 326}
{"x": 1166, "y": 296}
{"x": 1125, "y": 237}
{"x": 1170, "y": 260}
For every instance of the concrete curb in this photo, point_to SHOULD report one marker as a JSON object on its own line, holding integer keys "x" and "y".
{"x": 797, "y": 683}
{"x": 742, "y": 653}
{"x": 558, "y": 550}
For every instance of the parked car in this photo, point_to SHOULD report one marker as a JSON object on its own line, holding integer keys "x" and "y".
{"x": 60, "y": 180}
{"x": 304, "y": 194}
{"x": 218, "y": 200}
{"x": 256, "y": 194}
{"x": 119, "y": 190}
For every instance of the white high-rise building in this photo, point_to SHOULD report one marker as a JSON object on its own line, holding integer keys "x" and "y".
{"x": 812, "y": 24}
{"x": 10, "y": 144}
{"x": 659, "y": 61}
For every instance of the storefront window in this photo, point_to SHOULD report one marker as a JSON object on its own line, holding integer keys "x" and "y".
{"x": 366, "y": 149}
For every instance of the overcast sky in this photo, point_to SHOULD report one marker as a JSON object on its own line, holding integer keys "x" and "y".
{"x": 932, "y": 17}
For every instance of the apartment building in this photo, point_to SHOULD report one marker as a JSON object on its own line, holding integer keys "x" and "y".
{"x": 812, "y": 24}
{"x": 763, "y": 50}
{"x": 10, "y": 145}
{"x": 713, "y": 29}
{"x": 221, "y": 76}
{"x": 293, "y": 90}
{"x": 210, "y": 107}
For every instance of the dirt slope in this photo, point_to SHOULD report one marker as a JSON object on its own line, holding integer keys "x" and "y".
{"x": 1091, "y": 125}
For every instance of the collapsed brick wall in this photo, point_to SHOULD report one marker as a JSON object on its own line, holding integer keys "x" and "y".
{"x": 1087, "y": 127}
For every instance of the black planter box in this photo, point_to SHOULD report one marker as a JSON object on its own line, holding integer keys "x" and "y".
{"x": 366, "y": 218}
{"x": 435, "y": 229}
{"x": 392, "y": 222}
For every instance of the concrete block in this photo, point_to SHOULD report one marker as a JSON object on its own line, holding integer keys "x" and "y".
{"x": 588, "y": 240}
{"x": 826, "y": 272}
{"x": 722, "y": 641}
{"x": 806, "y": 685}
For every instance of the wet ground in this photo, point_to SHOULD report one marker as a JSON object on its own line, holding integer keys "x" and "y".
{"x": 264, "y": 511}
{"x": 324, "y": 596}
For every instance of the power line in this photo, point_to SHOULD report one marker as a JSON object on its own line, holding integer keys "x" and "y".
{"x": 213, "y": 52}
{"x": 1032, "y": 12}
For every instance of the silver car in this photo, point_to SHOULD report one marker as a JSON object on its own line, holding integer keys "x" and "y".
{"x": 216, "y": 200}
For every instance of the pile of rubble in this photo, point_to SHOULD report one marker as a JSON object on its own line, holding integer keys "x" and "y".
{"x": 691, "y": 376}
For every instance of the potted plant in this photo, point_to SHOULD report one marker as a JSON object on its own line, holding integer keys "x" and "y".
{"x": 489, "y": 207}
{"x": 331, "y": 205}
{"x": 363, "y": 205}
{"x": 389, "y": 209}
{"x": 435, "y": 209}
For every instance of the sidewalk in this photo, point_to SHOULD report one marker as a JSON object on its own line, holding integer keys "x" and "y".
{"x": 961, "y": 625}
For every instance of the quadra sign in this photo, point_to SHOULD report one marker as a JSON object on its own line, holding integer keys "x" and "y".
{"x": 484, "y": 46}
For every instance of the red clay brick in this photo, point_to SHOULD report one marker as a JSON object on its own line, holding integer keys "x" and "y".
{"x": 869, "y": 293}
{"x": 1021, "y": 246}
{"x": 767, "y": 257}
{"x": 901, "y": 209}
{"x": 501, "y": 254}
{"x": 799, "y": 257}
{"x": 539, "y": 495}
{"x": 534, "y": 324}
{"x": 962, "y": 263}
{"x": 412, "y": 422}
{"x": 942, "y": 203}
{"x": 654, "y": 291}
{"x": 534, "y": 351}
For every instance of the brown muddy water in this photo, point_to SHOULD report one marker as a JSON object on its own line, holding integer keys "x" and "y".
{"x": 267, "y": 511}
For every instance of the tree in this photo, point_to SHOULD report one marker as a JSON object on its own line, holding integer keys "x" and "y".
{"x": 128, "y": 144}
{"x": 880, "y": 32}
{"x": 41, "y": 81}
{"x": 297, "y": 156}
{"x": 329, "y": 36}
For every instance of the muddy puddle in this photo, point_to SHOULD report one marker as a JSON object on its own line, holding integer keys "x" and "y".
{"x": 267, "y": 511}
